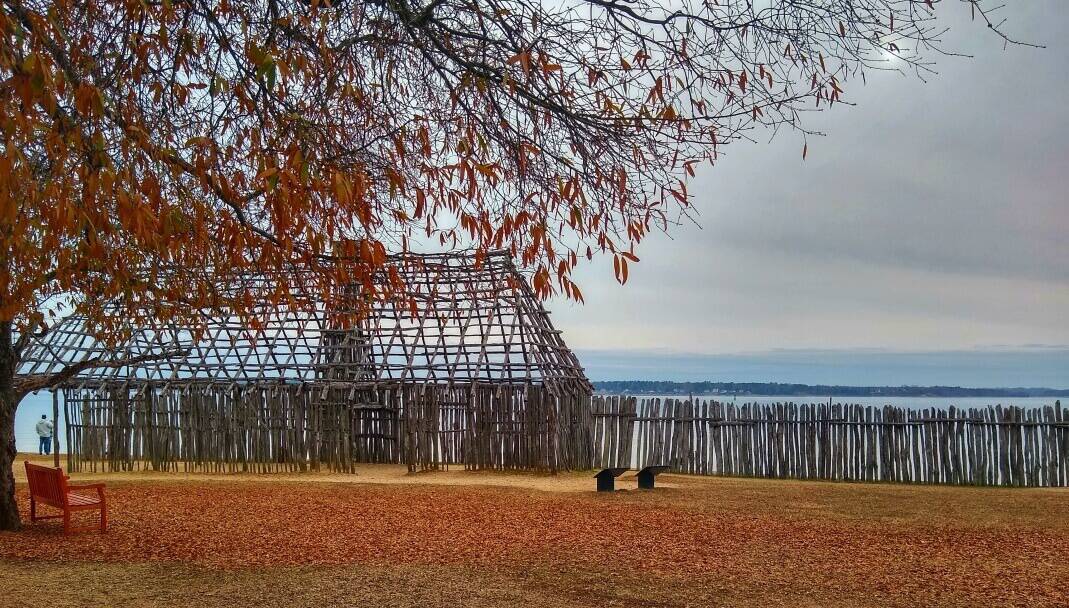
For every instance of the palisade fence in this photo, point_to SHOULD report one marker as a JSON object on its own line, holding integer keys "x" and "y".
{"x": 294, "y": 428}
{"x": 994, "y": 446}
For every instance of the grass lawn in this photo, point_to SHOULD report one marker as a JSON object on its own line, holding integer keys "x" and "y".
{"x": 457, "y": 538}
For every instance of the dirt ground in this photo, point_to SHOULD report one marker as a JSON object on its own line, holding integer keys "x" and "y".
{"x": 382, "y": 537}
{"x": 365, "y": 474}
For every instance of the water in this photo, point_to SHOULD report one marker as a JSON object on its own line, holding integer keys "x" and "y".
{"x": 913, "y": 403}
{"x": 29, "y": 412}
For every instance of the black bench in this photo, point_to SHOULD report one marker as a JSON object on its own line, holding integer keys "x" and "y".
{"x": 647, "y": 475}
{"x": 607, "y": 478}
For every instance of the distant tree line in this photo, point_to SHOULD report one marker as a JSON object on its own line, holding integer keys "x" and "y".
{"x": 663, "y": 387}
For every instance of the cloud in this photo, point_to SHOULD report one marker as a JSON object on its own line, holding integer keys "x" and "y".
{"x": 933, "y": 216}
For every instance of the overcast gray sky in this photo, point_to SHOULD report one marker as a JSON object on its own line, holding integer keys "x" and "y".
{"x": 932, "y": 216}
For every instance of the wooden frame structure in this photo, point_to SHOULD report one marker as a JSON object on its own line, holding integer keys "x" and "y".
{"x": 464, "y": 367}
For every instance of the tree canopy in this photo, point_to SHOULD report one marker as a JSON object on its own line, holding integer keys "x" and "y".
{"x": 189, "y": 133}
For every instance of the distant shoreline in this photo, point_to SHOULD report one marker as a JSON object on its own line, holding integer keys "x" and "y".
{"x": 775, "y": 389}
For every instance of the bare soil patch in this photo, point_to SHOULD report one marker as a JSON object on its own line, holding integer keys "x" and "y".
{"x": 387, "y": 474}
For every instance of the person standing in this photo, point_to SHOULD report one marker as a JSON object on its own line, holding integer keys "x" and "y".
{"x": 44, "y": 431}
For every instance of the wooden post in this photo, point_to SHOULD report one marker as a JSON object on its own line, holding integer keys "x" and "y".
{"x": 55, "y": 421}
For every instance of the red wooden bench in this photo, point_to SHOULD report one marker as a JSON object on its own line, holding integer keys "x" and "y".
{"x": 49, "y": 486}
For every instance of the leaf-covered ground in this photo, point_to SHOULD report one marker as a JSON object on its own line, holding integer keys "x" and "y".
{"x": 703, "y": 542}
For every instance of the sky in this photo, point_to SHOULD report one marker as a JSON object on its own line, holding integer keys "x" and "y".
{"x": 931, "y": 218}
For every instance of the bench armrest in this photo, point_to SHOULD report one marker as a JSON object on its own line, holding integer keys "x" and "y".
{"x": 87, "y": 486}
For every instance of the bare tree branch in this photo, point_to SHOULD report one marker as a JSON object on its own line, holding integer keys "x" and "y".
{"x": 34, "y": 382}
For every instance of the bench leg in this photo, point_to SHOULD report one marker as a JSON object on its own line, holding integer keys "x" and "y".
{"x": 66, "y": 521}
{"x": 103, "y": 518}
{"x": 33, "y": 510}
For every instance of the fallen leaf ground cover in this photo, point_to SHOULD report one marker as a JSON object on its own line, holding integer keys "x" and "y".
{"x": 702, "y": 542}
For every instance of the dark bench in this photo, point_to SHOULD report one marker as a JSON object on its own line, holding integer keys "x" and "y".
{"x": 49, "y": 486}
{"x": 647, "y": 475}
{"x": 607, "y": 478}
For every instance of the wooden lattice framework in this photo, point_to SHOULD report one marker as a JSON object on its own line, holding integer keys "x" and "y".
{"x": 464, "y": 367}
{"x": 459, "y": 322}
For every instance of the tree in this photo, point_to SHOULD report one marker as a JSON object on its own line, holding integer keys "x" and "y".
{"x": 237, "y": 134}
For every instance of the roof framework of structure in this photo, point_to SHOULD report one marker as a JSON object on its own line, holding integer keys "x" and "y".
{"x": 461, "y": 322}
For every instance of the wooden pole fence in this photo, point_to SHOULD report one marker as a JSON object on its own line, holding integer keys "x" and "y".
{"x": 531, "y": 427}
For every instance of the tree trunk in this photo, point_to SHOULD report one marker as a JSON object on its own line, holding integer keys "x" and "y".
{"x": 9, "y": 402}
{"x": 9, "y": 508}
